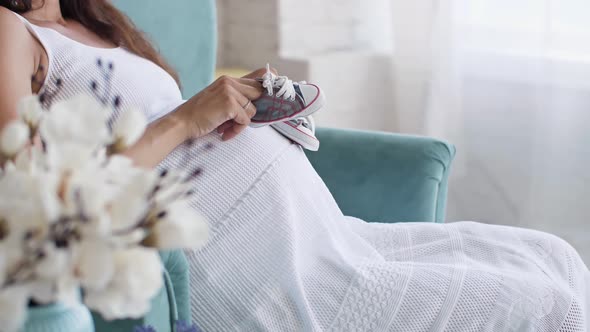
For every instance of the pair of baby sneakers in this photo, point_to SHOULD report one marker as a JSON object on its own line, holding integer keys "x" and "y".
{"x": 288, "y": 106}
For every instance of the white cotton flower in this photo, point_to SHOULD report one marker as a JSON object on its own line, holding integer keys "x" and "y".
{"x": 97, "y": 226}
{"x": 120, "y": 170}
{"x": 112, "y": 304}
{"x": 64, "y": 289}
{"x": 13, "y": 308}
{"x": 27, "y": 199}
{"x": 14, "y": 138}
{"x": 94, "y": 265}
{"x": 114, "y": 197}
{"x": 128, "y": 128}
{"x": 87, "y": 191}
{"x": 118, "y": 164}
{"x": 136, "y": 279}
{"x": 67, "y": 290}
{"x": 74, "y": 131}
{"x": 30, "y": 111}
{"x": 127, "y": 212}
{"x": 69, "y": 155}
{"x": 43, "y": 291}
{"x": 54, "y": 263}
{"x": 130, "y": 203}
{"x": 12, "y": 252}
{"x": 129, "y": 238}
{"x": 48, "y": 200}
{"x": 181, "y": 227}
{"x": 30, "y": 160}
{"x": 138, "y": 271}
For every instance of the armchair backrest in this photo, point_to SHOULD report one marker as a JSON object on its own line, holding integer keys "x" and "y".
{"x": 185, "y": 32}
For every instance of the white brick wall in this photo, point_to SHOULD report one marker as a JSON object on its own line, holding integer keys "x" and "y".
{"x": 314, "y": 27}
{"x": 334, "y": 43}
{"x": 301, "y": 28}
{"x": 248, "y": 32}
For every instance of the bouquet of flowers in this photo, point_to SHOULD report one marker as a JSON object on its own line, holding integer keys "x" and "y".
{"x": 80, "y": 222}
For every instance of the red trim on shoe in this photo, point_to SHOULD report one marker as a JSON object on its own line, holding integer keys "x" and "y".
{"x": 295, "y": 114}
{"x": 295, "y": 127}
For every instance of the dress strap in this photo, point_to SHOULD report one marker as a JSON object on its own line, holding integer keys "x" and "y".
{"x": 33, "y": 30}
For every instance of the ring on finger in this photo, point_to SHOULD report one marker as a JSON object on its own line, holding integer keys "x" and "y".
{"x": 247, "y": 104}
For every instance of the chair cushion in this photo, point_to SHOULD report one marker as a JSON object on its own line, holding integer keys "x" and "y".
{"x": 384, "y": 177}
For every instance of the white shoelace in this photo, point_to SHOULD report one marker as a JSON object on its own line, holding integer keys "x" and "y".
{"x": 270, "y": 81}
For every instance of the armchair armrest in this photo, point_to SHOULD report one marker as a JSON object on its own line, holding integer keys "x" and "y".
{"x": 383, "y": 177}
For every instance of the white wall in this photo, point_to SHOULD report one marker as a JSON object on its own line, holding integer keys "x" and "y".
{"x": 311, "y": 27}
{"x": 248, "y": 32}
{"x": 338, "y": 44}
{"x": 506, "y": 172}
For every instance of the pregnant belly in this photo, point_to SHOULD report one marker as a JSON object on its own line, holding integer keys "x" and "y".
{"x": 227, "y": 169}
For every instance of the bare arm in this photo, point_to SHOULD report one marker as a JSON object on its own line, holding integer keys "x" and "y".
{"x": 220, "y": 105}
{"x": 159, "y": 139}
{"x": 17, "y": 64}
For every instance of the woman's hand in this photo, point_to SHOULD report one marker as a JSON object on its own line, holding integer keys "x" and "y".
{"x": 253, "y": 75}
{"x": 219, "y": 106}
{"x": 259, "y": 72}
{"x": 224, "y": 105}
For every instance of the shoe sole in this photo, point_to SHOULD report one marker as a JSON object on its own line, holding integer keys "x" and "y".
{"x": 300, "y": 137}
{"x": 315, "y": 105}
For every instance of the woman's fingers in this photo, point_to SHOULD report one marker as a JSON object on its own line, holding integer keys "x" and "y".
{"x": 250, "y": 108}
{"x": 224, "y": 126}
{"x": 238, "y": 95}
{"x": 245, "y": 102}
{"x": 233, "y": 131}
{"x": 227, "y": 126}
{"x": 251, "y": 82}
{"x": 251, "y": 89}
{"x": 259, "y": 72}
{"x": 241, "y": 120}
{"x": 237, "y": 125}
{"x": 242, "y": 117}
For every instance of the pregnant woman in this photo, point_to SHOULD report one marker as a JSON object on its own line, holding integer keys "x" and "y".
{"x": 282, "y": 257}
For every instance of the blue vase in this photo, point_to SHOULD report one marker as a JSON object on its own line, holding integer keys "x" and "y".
{"x": 59, "y": 318}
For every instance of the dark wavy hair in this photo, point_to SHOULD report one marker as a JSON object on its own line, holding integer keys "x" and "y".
{"x": 109, "y": 23}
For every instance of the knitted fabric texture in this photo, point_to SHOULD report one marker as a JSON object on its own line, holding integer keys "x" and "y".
{"x": 282, "y": 257}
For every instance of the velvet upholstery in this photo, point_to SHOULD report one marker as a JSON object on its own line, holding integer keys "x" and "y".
{"x": 185, "y": 32}
{"x": 383, "y": 177}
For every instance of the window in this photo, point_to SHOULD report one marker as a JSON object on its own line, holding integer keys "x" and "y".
{"x": 550, "y": 27}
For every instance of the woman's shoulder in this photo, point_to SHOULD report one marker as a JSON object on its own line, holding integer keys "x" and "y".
{"x": 9, "y": 18}
{"x": 16, "y": 42}
{"x": 12, "y": 29}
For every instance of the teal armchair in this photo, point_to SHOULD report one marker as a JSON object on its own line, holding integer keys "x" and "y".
{"x": 384, "y": 177}
{"x": 378, "y": 177}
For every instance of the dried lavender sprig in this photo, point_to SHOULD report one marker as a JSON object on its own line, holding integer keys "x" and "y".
{"x": 46, "y": 98}
{"x": 106, "y": 96}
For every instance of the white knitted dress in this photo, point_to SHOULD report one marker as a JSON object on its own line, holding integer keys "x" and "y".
{"x": 282, "y": 257}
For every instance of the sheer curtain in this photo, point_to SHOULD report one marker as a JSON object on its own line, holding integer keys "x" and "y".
{"x": 508, "y": 82}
